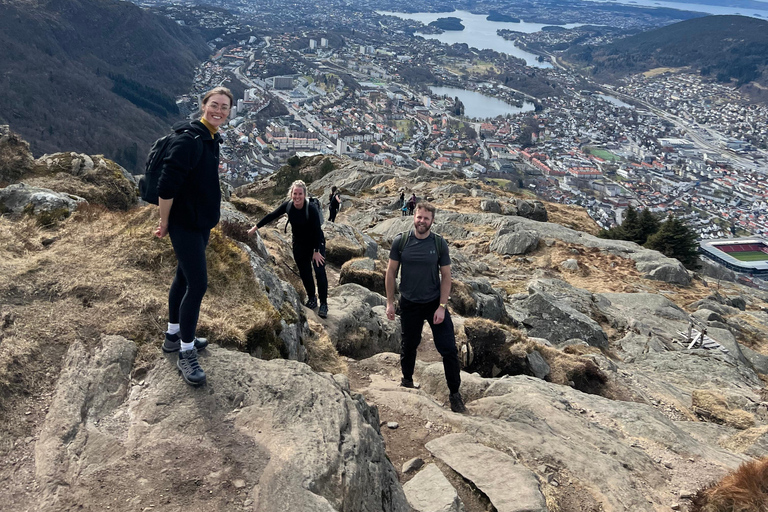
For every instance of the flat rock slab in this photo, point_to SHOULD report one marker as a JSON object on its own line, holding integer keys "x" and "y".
{"x": 510, "y": 486}
{"x": 430, "y": 491}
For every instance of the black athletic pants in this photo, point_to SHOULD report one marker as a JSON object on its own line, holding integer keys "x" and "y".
{"x": 302, "y": 255}
{"x": 191, "y": 281}
{"x": 412, "y": 316}
{"x": 332, "y": 217}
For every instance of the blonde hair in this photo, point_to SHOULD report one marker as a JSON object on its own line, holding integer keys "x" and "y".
{"x": 219, "y": 90}
{"x": 297, "y": 183}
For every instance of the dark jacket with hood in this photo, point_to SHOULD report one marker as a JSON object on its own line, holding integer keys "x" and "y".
{"x": 190, "y": 177}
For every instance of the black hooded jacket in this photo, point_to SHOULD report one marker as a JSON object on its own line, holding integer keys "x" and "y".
{"x": 190, "y": 177}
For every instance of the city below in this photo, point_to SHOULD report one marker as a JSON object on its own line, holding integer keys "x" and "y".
{"x": 669, "y": 140}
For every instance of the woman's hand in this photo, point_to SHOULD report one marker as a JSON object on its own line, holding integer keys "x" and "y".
{"x": 161, "y": 230}
{"x": 319, "y": 259}
{"x": 253, "y": 230}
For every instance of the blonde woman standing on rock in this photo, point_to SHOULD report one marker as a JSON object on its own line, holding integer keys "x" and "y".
{"x": 308, "y": 243}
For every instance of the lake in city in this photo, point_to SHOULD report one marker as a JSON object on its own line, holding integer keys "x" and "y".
{"x": 480, "y": 33}
{"x": 480, "y": 106}
{"x": 615, "y": 101}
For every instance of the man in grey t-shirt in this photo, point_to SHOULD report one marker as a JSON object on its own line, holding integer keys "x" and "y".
{"x": 425, "y": 286}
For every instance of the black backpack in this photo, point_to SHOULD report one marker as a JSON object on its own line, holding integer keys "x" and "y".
{"x": 154, "y": 167}
{"x": 405, "y": 235}
{"x": 311, "y": 201}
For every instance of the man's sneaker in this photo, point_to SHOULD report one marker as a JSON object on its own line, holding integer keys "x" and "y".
{"x": 457, "y": 404}
{"x": 323, "y": 312}
{"x": 172, "y": 343}
{"x": 190, "y": 368}
{"x": 408, "y": 383}
{"x": 311, "y": 303}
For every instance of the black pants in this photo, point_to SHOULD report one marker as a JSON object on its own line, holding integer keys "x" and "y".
{"x": 332, "y": 216}
{"x": 412, "y": 316}
{"x": 191, "y": 281}
{"x": 302, "y": 255}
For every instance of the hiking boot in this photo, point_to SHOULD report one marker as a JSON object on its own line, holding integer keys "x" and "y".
{"x": 311, "y": 302}
{"x": 457, "y": 404}
{"x": 323, "y": 312}
{"x": 190, "y": 368}
{"x": 172, "y": 343}
{"x": 408, "y": 383}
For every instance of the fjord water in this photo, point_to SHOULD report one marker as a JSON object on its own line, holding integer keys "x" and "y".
{"x": 480, "y": 33}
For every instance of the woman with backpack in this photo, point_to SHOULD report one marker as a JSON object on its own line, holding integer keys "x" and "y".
{"x": 189, "y": 197}
{"x": 308, "y": 243}
{"x": 334, "y": 203}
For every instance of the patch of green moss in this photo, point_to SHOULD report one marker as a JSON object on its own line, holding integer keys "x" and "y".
{"x": 288, "y": 313}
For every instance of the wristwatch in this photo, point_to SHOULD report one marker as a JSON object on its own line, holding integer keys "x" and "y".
{"x": 444, "y": 306}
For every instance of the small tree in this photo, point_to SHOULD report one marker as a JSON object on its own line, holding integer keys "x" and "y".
{"x": 648, "y": 225}
{"x": 676, "y": 240}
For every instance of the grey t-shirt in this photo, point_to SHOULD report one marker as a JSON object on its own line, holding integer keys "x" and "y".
{"x": 419, "y": 272}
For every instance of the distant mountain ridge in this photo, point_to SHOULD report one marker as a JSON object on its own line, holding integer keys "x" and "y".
{"x": 77, "y": 74}
{"x": 724, "y": 47}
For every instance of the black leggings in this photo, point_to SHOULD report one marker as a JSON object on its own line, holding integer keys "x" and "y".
{"x": 302, "y": 255}
{"x": 191, "y": 281}
{"x": 412, "y": 316}
{"x": 333, "y": 212}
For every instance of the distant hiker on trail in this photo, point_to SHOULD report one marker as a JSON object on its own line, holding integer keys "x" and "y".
{"x": 308, "y": 243}
{"x": 411, "y": 204}
{"x": 189, "y": 200}
{"x": 424, "y": 296}
{"x": 334, "y": 203}
{"x": 403, "y": 207}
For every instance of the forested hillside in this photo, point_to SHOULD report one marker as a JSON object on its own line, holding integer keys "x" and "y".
{"x": 98, "y": 76}
{"x": 724, "y": 47}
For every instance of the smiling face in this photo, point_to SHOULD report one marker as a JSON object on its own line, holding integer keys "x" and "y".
{"x": 422, "y": 221}
{"x": 216, "y": 109}
{"x": 298, "y": 195}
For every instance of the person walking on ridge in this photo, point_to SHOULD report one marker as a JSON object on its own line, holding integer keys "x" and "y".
{"x": 190, "y": 202}
{"x": 308, "y": 243}
{"x": 411, "y": 203}
{"x": 424, "y": 296}
{"x": 334, "y": 203}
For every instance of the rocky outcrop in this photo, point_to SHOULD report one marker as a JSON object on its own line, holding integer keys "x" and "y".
{"x": 357, "y": 322}
{"x": 284, "y": 437}
{"x": 39, "y": 202}
{"x": 583, "y": 451}
{"x": 15, "y": 157}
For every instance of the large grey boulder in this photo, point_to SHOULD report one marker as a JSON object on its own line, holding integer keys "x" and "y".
{"x": 430, "y": 491}
{"x": 660, "y": 268}
{"x": 19, "y": 197}
{"x": 547, "y": 317}
{"x": 357, "y": 322}
{"x": 510, "y": 487}
{"x": 262, "y": 435}
{"x": 515, "y": 242}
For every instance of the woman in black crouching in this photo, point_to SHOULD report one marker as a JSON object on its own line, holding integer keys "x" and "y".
{"x": 190, "y": 200}
{"x": 308, "y": 243}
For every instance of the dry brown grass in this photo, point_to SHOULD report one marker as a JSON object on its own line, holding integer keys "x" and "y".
{"x": 568, "y": 369}
{"x": 744, "y": 490}
{"x": 104, "y": 272}
{"x": 713, "y": 407}
{"x": 321, "y": 354}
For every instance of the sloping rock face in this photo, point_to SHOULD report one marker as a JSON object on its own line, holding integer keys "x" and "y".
{"x": 261, "y": 436}
{"x": 583, "y": 451}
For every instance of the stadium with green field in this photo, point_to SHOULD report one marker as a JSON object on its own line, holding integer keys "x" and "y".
{"x": 745, "y": 255}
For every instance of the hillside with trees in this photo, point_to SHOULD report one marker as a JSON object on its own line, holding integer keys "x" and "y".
{"x": 97, "y": 76}
{"x": 727, "y": 48}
